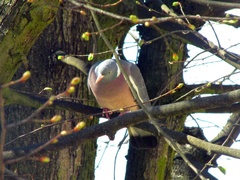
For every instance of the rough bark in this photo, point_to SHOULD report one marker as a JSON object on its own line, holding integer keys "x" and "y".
{"x": 153, "y": 62}
{"x": 65, "y": 34}
{"x": 19, "y": 31}
{"x": 73, "y": 162}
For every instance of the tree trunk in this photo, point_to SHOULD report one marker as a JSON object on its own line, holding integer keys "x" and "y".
{"x": 75, "y": 162}
{"x": 63, "y": 34}
{"x": 160, "y": 77}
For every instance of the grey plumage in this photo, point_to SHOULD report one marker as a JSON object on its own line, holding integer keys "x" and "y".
{"x": 112, "y": 92}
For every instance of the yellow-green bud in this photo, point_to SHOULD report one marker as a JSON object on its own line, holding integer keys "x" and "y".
{"x": 25, "y": 76}
{"x": 44, "y": 159}
{"x": 180, "y": 85}
{"x": 71, "y": 90}
{"x": 134, "y": 18}
{"x": 63, "y": 133}
{"x": 176, "y": 3}
{"x": 79, "y": 126}
{"x": 56, "y": 118}
{"x": 90, "y": 56}
{"x": 75, "y": 81}
{"x": 86, "y": 36}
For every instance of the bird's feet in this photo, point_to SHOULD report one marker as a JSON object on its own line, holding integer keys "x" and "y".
{"x": 106, "y": 113}
{"x": 111, "y": 114}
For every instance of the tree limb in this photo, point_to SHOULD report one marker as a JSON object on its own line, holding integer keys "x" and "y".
{"x": 227, "y": 136}
{"x": 213, "y": 89}
{"x": 230, "y": 131}
{"x": 180, "y": 30}
{"x": 23, "y": 98}
{"x": 12, "y": 96}
{"x": 179, "y": 108}
{"x": 217, "y": 4}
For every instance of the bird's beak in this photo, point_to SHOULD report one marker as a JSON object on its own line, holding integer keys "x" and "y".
{"x": 99, "y": 78}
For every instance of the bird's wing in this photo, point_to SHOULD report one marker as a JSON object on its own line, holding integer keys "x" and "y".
{"x": 141, "y": 138}
{"x": 138, "y": 83}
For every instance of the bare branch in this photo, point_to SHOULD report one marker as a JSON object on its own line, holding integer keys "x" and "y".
{"x": 179, "y": 108}
{"x": 216, "y": 88}
{"x": 27, "y": 99}
{"x": 227, "y": 136}
{"x": 216, "y": 4}
{"x": 172, "y": 24}
{"x": 229, "y": 132}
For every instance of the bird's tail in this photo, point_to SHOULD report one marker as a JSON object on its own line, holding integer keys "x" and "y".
{"x": 142, "y": 139}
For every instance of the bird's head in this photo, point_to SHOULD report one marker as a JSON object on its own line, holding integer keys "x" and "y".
{"x": 107, "y": 71}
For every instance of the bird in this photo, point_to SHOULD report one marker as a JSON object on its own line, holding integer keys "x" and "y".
{"x": 112, "y": 92}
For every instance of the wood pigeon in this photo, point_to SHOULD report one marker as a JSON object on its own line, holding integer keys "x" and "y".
{"x": 113, "y": 93}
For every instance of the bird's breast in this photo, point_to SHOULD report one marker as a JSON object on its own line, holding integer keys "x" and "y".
{"x": 113, "y": 95}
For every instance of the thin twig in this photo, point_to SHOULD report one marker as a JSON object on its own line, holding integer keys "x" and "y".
{"x": 106, "y": 5}
{"x": 157, "y": 20}
{"x": 102, "y": 155}
{"x": 229, "y": 137}
{"x": 219, "y": 45}
{"x": 43, "y": 146}
{"x": 204, "y": 86}
{"x": 152, "y": 120}
{"x": 119, "y": 147}
{"x": 39, "y": 129}
{"x": 217, "y": 4}
{"x": 30, "y": 118}
{"x": 44, "y": 106}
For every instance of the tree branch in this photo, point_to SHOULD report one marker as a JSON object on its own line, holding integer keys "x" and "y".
{"x": 170, "y": 24}
{"x": 229, "y": 132}
{"x": 27, "y": 99}
{"x": 213, "y": 89}
{"x": 227, "y": 136}
{"x": 217, "y": 4}
{"x": 23, "y": 98}
{"x": 179, "y": 108}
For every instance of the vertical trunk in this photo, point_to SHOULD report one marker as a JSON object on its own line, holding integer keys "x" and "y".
{"x": 160, "y": 76}
{"x": 75, "y": 162}
{"x": 65, "y": 34}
